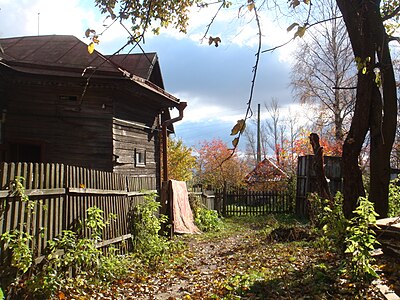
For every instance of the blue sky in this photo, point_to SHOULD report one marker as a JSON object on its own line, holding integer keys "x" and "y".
{"x": 214, "y": 81}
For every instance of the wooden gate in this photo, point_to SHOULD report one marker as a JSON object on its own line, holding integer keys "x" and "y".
{"x": 244, "y": 202}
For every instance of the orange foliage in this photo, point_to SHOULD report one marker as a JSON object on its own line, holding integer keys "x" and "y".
{"x": 331, "y": 147}
{"x": 217, "y": 166}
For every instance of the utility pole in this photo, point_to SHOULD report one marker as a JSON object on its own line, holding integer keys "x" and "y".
{"x": 38, "y": 23}
{"x": 258, "y": 136}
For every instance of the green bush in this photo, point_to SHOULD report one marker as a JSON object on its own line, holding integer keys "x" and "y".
{"x": 207, "y": 220}
{"x": 361, "y": 241}
{"x": 146, "y": 226}
{"x": 329, "y": 221}
{"x": 70, "y": 260}
{"x": 353, "y": 240}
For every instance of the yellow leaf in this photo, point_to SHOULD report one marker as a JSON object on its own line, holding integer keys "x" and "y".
{"x": 251, "y": 6}
{"x": 91, "y": 48}
{"x": 239, "y": 127}
{"x": 301, "y": 30}
{"x": 235, "y": 142}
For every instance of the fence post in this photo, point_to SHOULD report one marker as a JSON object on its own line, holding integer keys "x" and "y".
{"x": 224, "y": 199}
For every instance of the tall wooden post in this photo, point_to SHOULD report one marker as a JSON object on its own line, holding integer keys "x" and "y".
{"x": 258, "y": 136}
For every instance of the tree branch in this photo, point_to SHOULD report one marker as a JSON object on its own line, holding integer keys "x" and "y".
{"x": 392, "y": 14}
{"x": 308, "y": 26}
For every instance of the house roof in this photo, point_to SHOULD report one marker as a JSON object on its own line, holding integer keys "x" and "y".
{"x": 265, "y": 170}
{"x": 66, "y": 55}
{"x": 144, "y": 65}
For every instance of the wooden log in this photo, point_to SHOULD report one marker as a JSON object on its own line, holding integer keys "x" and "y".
{"x": 318, "y": 164}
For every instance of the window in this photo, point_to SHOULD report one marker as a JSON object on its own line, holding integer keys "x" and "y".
{"x": 140, "y": 158}
{"x": 68, "y": 98}
{"x": 21, "y": 152}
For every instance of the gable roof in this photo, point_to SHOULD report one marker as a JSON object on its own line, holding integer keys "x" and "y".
{"x": 66, "y": 55}
{"x": 144, "y": 65}
{"x": 266, "y": 170}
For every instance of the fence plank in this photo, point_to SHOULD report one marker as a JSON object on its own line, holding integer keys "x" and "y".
{"x": 60, "y": 202}
{"x": 244, "y": 202}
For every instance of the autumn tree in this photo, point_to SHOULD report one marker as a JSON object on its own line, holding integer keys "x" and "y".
{"x": 181, "y": 162}
{"x": 375, "y": 108}
{"x": 323, "y": 75}
{"x": 215, "y": 169}
{"x": 303, "y": 147}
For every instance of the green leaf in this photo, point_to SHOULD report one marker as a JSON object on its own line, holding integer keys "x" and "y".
{"x": 1, "y": 294}
{"x": 364, "y": 70}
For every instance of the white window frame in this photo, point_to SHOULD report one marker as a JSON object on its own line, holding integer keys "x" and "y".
{"x": 140, "y": 157}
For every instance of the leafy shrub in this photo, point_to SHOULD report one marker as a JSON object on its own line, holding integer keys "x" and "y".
{"x": 207, "y": 219}
{"x": 394, "y": 198}
{"x": 361, "y": 240}
{"x": 146, "y": 226}
{"x": 68, "y": 255}
{"x": 353, "y": 238}
{"x": 18, "y": 242}
{"x": 71, "y": 255}
{"x": 329, "y": 221}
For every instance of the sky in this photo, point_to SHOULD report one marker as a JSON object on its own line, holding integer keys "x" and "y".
{"x": 214, "y": 81}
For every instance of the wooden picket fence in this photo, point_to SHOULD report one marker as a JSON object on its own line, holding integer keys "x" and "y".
{"x": 245, "y": 202}
{"x": 62, "y": 194}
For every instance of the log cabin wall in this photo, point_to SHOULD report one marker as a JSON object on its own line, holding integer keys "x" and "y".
{"x": 46, "y": 121}
{"x": 135, "y": 149}
{"x": 136, "y": 143}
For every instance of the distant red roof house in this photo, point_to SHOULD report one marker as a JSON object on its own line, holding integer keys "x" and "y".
{"x": 266, "y": 175}
{"x": 58, "y": 103}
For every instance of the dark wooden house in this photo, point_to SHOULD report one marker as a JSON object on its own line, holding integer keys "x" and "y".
{"x": 58, "y": 103}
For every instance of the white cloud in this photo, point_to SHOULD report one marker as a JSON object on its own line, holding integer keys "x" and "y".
{"x": 198, "y": 112}
{"x": 44, "y": 17}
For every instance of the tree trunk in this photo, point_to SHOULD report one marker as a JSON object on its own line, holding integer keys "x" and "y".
{"x": 383, "y": 127}
{"x": 319, "y": 168}
{"x": 369, "y": 41}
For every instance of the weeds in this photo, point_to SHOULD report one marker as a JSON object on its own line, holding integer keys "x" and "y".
{"x": 360, "y": 241}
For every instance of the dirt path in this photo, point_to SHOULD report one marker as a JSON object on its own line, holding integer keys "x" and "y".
{"x": 201, "y": 271}
{"x": 242, "y": 264}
